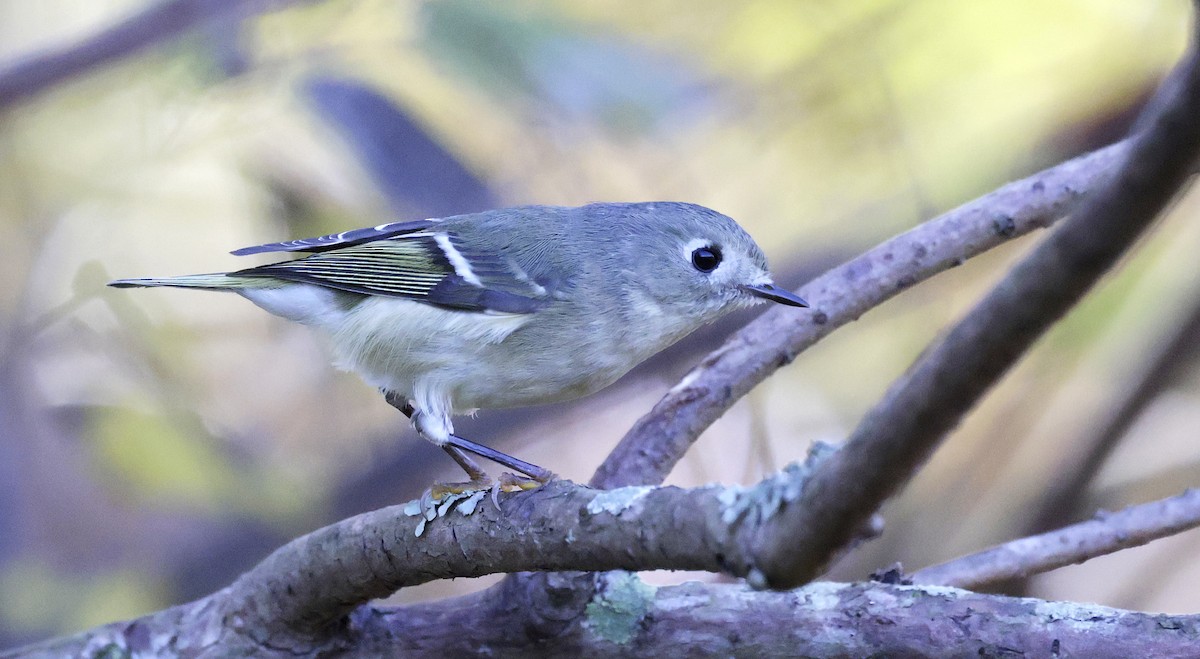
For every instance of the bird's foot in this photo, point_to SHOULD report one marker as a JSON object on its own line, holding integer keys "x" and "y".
{"x": 442, "y": 498}
{"x": 510, "y": 482}
{"x": 480, "y": 483}
{"x": 513, "y": 483}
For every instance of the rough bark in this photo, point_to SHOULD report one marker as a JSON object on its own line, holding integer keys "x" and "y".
{"x": 629, "y": 618}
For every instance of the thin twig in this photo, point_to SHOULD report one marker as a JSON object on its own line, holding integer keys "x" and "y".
{"x": 1107, "y": 533}
{"x": 928, "y": 401}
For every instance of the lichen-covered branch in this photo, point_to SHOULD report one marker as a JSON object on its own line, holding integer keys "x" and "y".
{"x": 629, "y": 618}
{"x": 929, "y": 400}
{"x": 305, "y": 590}
{"x": 315, "y": 580}
{"x": 820, "y": 620}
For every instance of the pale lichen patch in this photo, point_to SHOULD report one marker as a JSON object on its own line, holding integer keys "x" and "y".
{"x": 1081, "y": 616}
{"x": 759, "y": 503}
{"x": 615, "y": 613}
{"x": 429, "y": 509}
{"x": 615, "y": 502}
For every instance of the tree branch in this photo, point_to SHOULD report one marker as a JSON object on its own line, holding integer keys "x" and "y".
{"x": 1107, "y": 533}
{"x": 159, "y": 22}
{"x": 651, "y": 448}
{"x": 820, "y": 620}
{"x": 926, "y": 403}
{"x": 629, "y": 618}
{"x": 315, "y": 580}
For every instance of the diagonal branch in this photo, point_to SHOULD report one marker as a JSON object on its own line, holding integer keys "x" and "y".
{"x": 928, "y": 401}
{"x": 651, "y": 448}
{"x": 1107, "y": 533}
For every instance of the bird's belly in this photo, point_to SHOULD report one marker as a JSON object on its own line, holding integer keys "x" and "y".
{"x": 517, "y": 384}
{"x": 487, "y": 379}
{"x": 394, "y": 343}
{"x": 474, "y": 361}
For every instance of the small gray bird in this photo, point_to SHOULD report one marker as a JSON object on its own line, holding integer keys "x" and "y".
{"x": 505, "y": 308}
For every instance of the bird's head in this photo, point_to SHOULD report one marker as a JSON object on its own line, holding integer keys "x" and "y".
{"x": 692, "y": 261}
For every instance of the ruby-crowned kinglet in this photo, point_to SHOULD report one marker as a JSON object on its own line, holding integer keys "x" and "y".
{"x": 505, "y": 308}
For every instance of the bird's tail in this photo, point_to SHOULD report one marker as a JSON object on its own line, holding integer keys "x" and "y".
{"x": 215, "y": 281}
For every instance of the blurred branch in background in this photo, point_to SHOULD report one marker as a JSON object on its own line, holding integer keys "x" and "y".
{"x": 565, "y": 70}
{"x": 417, "y": 174}
{"x": 160, "y": 22}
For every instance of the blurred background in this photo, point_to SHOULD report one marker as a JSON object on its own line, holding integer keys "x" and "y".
{"x": 155, "y": 443}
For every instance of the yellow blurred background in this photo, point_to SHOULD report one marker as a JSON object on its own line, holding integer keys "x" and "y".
{"x": 153, "y": 444}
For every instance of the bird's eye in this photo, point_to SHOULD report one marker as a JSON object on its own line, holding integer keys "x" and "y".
{"x": 707, "y": 258}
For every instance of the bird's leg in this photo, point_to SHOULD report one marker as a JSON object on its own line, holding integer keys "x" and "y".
{"x": 540, "y": 475}
{"x": 479, "y": 478}
{"x": 477, "y": 474}
{"x": 455, "y": 446}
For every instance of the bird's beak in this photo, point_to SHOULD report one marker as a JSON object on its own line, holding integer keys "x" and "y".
{"x": 775, "y": 294}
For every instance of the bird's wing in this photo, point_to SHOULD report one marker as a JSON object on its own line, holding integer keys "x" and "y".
{"x": 431, "y": 267}
{"x": 340, "y": 240}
